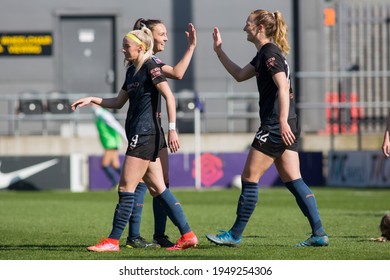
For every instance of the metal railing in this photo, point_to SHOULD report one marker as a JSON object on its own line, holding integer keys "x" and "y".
{"x": 222, "y": 112}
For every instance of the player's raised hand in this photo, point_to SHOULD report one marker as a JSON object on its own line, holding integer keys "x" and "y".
{"x": 191, "y": 35}
{"x": 217, "y": 39}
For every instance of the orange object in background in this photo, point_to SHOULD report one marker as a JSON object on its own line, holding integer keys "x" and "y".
{"x": 329, "y": 16}
{"x": 332, "y": 112}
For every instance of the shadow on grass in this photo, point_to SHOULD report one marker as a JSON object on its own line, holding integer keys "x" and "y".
{"x": 45, "y": 247}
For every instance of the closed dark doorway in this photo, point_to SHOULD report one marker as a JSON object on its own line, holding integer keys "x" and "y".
{"x": 86, "y": 54}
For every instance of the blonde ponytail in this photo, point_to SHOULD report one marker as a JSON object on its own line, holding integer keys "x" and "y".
{"x": 280, "y": 37}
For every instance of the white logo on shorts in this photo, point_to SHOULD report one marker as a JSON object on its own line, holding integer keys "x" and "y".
{"x": 262, "y": 137}
{"x": 134, "y": 141}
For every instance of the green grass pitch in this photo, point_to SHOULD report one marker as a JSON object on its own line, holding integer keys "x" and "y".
{"x": 60, "y": 225}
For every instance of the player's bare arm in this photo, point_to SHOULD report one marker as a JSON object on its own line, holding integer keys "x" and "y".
{"x": 284, "y": 104}
{"x": 177, "y": 72}
{"x": 113, "y": 103}
{"x": 238, "y": 73}
{"x": 386, "y": 139}
{"x": 173, "y": 139}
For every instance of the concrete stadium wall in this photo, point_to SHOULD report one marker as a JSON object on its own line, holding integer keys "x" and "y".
{"x": 40, "y": 73}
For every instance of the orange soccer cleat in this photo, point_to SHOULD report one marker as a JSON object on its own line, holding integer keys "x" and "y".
{"x": 106, "y": 245}
{"x": 187, "y": 240}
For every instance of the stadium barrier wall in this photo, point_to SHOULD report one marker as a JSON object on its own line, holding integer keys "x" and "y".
{"x": 358, "y": 169}
{"x": 43, "y": 173}
{"x": 218, "y": 170}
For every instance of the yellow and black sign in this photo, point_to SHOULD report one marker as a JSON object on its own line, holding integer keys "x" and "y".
{"x": 26, "y": 44}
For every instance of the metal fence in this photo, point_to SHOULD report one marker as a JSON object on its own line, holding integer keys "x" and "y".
{"x": 45, "y": 114}
{"x": 357, "y": 63}
{"x": 220, "y": 113}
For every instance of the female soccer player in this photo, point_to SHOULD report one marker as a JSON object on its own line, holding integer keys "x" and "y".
{"x": 276, "y": 141}
{"x": 111, "y": 134}
{"x": 143, "y": 87}
{"x": 134, "y": 239}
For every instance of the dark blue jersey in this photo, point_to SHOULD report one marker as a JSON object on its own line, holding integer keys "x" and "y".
{"x": 144, "y": 113}
{"x": 268, "y": 62}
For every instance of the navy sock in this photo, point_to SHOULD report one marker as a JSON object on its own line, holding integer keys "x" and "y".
{"x": 111, "y": 174}
{"x": 160, "y": 217}
{"x": 118, "y": 170}
{"x": 174, "y": 211}
{"x": 122, "y": 214}
{"x": 307, "y": 203}
{"x": 246, "y": 205}
{"x": 136, "y": 214}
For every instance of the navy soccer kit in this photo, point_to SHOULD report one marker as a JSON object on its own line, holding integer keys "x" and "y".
{"x": 143, "y": 122}
{"x": 268, "y": 62}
